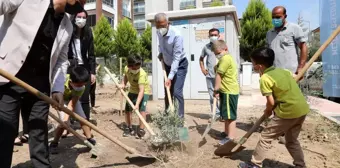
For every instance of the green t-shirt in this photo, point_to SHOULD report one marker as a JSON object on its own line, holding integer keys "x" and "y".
{"x": 289, "y": 99}
{"x": 227, "y": 68}
{"x": 141, "y": 78}
{"x": 69, "y": 92}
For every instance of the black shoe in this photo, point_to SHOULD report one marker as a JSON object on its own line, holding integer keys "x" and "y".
{"x": 223, "y": 135}
{"x": 92, "y": 141}
{"x": 140, "y": 133}
{"x": 127, "y": 132}
{"x": 54, "y": 147}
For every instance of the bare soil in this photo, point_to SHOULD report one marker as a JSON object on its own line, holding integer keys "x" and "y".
{"x": 319, "y": 139}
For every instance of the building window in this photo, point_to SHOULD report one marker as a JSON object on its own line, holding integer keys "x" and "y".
{"x": 126, "y": 11}
{"x": 187, "y": 4}
{"x": 91, "y": 20}
{"x": 139, "y": 22}
{"x": 109, "y": 3}
{"x": 111, "y": 20}
{"x": 139, "y": 7}
{"x": 90, "y": 1}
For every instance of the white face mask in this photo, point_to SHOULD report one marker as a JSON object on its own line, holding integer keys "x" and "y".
{"x": 77, "y": 89}
{"x": 219, "y": 56}
{"x": 80, "y": 22}
{"x": 162, "y": 31}
{"x": 213, "y": 38}
{"x": 134, "y": 71}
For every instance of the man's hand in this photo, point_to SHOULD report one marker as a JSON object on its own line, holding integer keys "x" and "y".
{"x": 268, "y": 113}
{"x": 205, "y": 72}
{"x": 59, "y": 97}
{"x": 160, "y": 56}
{"x": 137, "y": 107}
{"x": 297, "y": 72}
{"x": 93, "y": 79}
{"x": 168, "y": 83}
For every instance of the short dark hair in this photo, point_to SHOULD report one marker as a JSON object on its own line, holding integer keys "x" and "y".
{"x": 264, "y": 56}
{"x": 79, "y": 74}
{"x": 214, "y": 29}
{"x": 134, "y": 60}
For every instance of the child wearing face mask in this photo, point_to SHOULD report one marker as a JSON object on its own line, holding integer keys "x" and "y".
{"x": 286, "y": 100}
{"x": 226, "y": 88}
{"x": 74, "y": 88}
{"x": 138, "y": 93}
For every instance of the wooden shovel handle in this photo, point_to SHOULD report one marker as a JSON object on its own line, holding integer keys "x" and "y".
{"x": 130, "y": 103}
{"x": 297, "y": 77}
{"x": 47, "y": 99}
{"x": 167, "y": 88}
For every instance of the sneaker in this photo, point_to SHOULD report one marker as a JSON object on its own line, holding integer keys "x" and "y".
{"x": 247, "y": 165}
{"x": 54, "y": 147}
{"x": 224, "y": 140}
{"x": 223, "y": 135}
{"x": 92, "y": 141}
{"x": 140, "y": 133}
{"x": 127, "y": 132}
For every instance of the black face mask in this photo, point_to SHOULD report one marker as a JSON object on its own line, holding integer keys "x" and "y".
{"x": 73, "y": 9}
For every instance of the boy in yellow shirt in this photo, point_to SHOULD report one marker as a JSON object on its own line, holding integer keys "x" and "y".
{"x": 138, "y": 93}
{"x": 290, "y": 108}
{"x": 226, "y": 88}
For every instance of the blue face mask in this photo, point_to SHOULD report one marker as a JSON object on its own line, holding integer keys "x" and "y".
{"x": 277, "y": 22}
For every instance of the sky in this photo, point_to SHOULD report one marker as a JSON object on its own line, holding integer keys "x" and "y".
{"x": 309, "y": 10}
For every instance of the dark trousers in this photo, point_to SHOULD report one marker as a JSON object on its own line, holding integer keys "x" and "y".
{"x": 93, "y": 94}
{"x": 12, "y": 99}
{"x": 85, "y": 100}
{"x": 177, "y": 85}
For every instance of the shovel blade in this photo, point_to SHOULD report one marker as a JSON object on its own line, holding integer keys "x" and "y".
{"x": 226, "y": 149}
{"x": 183, "y": 134}
{"x": 139, "y": 157}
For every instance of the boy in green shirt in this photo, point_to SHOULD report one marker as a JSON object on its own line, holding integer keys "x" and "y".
{"x": 138, "y": 93}
{"x": 74, "y": 89}
{"x": 226, "y": 88}
{"x": 290, "y": 108}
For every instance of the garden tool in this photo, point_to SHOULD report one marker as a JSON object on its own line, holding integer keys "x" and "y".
{"x": 203, "y": 140}
{"x": 147, "y": 126}
{"x": 172, "y": 109}
{"x": 232, "y": 147}
{"x": 15, "y": 80}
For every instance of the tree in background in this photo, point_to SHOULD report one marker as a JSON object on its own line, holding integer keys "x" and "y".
{"x": 145, "y": 44}
{"x": 314, "y": 45}
{"x": 125, "y": 39}
{"x": 216, "y": 3}
{"x": 103, "y": 39}
{"x": 301, "y": 23}
{"x": 256, "y": 21}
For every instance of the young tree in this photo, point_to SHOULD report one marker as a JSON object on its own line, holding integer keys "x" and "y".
{"x": 125, "y": 39}
{"x": 256, "y": 21}
{"x": 216, "y": 3}
{"x": 301, "y": 22}
{"x": 145, "y": 42}
{"x": 103, "y": 38}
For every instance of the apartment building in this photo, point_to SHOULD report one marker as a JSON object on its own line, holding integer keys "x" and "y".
{"x": 139, "y": 16}
{"x": 113, "y": 10}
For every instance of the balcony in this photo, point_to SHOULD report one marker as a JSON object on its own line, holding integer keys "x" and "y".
{"x": 90, "y": 1}
{"x": 139, "y": 10}
{"x": 187, "y": 4}
{"x": 206, "y": 3}
{"x": 139, "y": 24}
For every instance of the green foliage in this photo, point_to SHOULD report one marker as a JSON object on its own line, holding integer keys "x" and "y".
{"x": 168, "y": 124}
{"x": 301, "y": 22}
{"x": 190, "y": 7}
{"x": 256, "y": 21}
{"x": 103, "y": 38}
{"x": 125, "y": 39}
{"x": 145, "y": 44}
{"x": 216, "y": 3}
{"x": 314, "y": 45}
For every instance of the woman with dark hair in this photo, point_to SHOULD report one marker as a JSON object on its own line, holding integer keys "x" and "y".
{"x": 81, "y": 53}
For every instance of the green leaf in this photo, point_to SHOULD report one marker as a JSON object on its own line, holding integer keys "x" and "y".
{"x": 103, "y": 38}
{"x": 256, "y": 21}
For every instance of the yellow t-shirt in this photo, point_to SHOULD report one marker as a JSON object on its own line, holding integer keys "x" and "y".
{"x": 289, "y": 99}
{"x": 227, "y": 68}
{"x": 141, "y": 78}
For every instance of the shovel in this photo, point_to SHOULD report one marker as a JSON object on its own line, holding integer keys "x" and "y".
{"x": 203, "y": 140}
{"x": 130, "y": 103}
{"x": 172, "y": 109}
{"x": 15, "y": 80}
{"x": 232, "y": 147}
{"x": 94, "y": 151}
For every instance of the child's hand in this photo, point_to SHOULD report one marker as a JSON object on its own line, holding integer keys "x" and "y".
{"x": 267, "y": 113}
{"x": 137, "y": 107}
{"x": 216, "y": 94}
